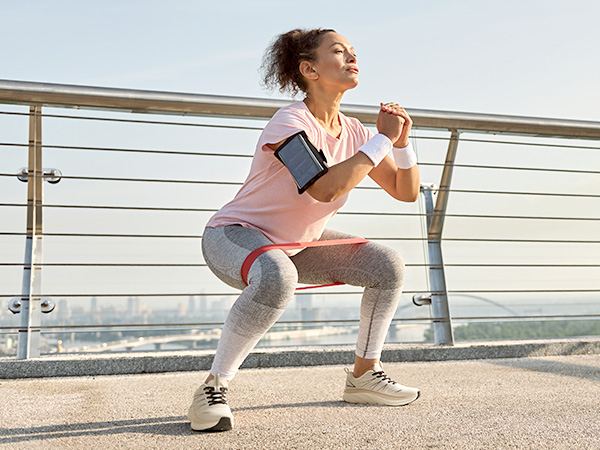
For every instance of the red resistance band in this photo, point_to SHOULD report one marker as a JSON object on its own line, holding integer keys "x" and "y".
{"x": 260, "y": 250}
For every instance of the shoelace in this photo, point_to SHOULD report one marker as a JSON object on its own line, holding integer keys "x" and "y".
{"x": 216, "y": 396}
{"x": 383, "y": 377}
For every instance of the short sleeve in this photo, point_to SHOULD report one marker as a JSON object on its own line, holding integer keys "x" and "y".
{"x": 361, "y": 133}
{"x": 286, "y": 122}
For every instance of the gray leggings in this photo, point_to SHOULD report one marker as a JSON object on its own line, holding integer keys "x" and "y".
{"x": 273, "y": 277}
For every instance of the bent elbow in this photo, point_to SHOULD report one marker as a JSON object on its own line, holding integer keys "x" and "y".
{"x": 324, "y": 192}
{"x": 408, "y": 197}
{"x": 413, "y": 198}
{"x": 324, "y": 197}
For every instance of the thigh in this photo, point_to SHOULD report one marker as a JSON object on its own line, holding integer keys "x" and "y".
{"x": 225, "y": 249}
{"x": 370, "y": 264}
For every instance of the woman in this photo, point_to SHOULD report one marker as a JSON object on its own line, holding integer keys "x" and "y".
{"x": 268, "y": 209}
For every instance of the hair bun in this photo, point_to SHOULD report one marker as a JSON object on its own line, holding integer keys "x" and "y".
{"x": 281, "y": 61}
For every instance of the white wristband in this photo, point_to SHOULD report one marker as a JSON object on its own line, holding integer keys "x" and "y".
{"x": 405, "y": 157}
{"x": 376, "y": 148}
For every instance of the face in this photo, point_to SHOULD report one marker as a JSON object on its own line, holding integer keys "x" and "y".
{"x": 335, "y": 66}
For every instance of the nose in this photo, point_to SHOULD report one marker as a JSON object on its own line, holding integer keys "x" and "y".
{"x": 351, "y": 58}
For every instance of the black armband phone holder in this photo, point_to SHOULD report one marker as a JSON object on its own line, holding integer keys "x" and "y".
{"x": 305, "y": 163}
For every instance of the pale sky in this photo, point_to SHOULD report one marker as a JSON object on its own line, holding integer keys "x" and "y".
{"x": 518, "y": 57}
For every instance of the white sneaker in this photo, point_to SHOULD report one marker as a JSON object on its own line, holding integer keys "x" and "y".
{"x": 377, "y": 388}
{"x": 209, "y": 410}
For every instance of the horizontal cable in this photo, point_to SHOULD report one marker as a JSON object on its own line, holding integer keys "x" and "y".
{"x": 238, "y": 183}
{"x": 507, "y": 265}
{"x": 117, "y": 235}
{"x": 160, "y": 180}
{"x": 556, "y": 194}
{"x": 131, "y": 208}
{"x": 11, "y": 113}
{"x": 521, "y": 265}
{"x": 10, "y": 144}
{"x": 161, "y": 152}
{"x": 529, "y": 241}
{"x": 521, "y": 291}
{"x": 171, "y": 236}
{"x": 349, "y": 213}
{"x": 541, "y": 316}
{"x": 236, "y": 294}
{"x": 109, "y": 264}
{"x": 153, "y": 122}
{"x": 153, "y": 180}
{"x": 499, "y": 216}
{"x": 195, "y": 324}
{"x": 168, "y": 326}
{"x": 486, "y": 141}
{"x": 209, "y": 294}
{"x": 183, "y": 236}
{"x": 143, "y": 180}
{"x": 538, "y": 169}
{"x": 152, "y": 208}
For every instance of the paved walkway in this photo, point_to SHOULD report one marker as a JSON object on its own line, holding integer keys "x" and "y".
{"x": 526, "y": 403}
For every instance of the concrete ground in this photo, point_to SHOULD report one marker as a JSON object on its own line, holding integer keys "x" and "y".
{"x": 525, "y": 403}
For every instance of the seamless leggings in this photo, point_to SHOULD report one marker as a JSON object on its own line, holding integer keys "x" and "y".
{"x": 272, "y": 280}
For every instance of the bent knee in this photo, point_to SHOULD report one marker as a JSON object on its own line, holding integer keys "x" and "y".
{"x": 275, "y": 282}
{"x": 390, "y": 270}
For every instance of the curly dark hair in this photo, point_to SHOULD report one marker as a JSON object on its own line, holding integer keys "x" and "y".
{"x": 281, "y": 61}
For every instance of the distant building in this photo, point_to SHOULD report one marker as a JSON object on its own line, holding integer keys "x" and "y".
{"x": 203, "y": 304}
{"x": 181, "y": 309}
{"x": 94, "y": 311}
{"x": 134, "y": 307}
{"x": 192, "y": 305}
{"x": 63, "y": 311}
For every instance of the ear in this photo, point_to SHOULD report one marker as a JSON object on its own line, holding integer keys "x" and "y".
{"x": 308, "y": 70}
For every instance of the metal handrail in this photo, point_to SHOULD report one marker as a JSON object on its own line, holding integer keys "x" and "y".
{"x": 38, "y": 95}
{"x": 143, "y": 101}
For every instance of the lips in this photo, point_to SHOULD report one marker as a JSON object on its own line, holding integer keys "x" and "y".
{"x": 353, "y": 69}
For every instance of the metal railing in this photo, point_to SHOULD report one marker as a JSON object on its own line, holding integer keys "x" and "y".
{"x": 39, "y": 97}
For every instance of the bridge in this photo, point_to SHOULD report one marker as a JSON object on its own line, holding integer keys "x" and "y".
{"x": 505, "y": 246}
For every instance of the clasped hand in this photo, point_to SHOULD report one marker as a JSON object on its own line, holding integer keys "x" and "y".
{"x": 395, "y": 123}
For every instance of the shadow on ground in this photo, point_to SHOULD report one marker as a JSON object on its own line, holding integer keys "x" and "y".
{"x": 554, "y": 367}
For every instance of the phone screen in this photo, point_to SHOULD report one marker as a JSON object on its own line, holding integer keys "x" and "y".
{"x": 300, "y": 161}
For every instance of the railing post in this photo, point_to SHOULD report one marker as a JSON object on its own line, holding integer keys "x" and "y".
{"x": 442, "y": 326}
{"x": 31, "y": 307}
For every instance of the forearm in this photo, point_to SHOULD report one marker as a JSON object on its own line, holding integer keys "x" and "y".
{"x": 408, "y": 184}
{"x": 407, "y": 175}
{"x": 341, "y": 178}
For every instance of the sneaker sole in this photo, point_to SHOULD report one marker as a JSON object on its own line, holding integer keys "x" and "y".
{"x": 223, "y": 424}
{"x": 370, "y": 397}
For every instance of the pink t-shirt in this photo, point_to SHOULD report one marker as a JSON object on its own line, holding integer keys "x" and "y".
{"x": 269, "y": 201}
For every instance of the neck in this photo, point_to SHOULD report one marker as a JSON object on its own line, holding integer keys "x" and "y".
{"x": 324, "y": 106}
